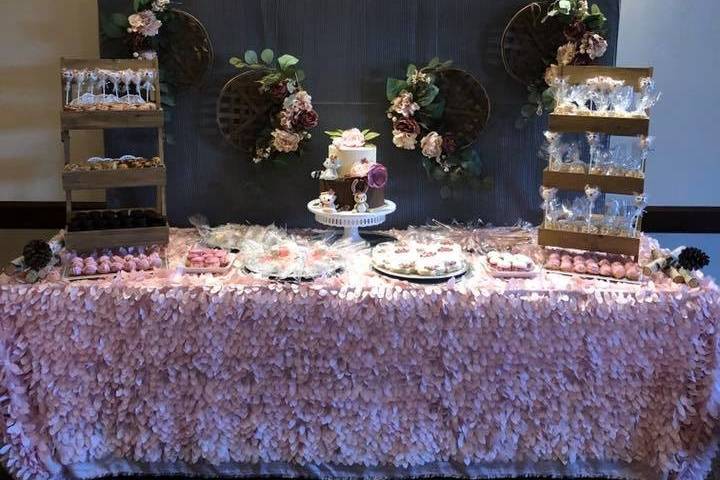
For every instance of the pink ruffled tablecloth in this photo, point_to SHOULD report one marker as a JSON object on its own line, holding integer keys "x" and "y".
{"x": 357, "y": 375}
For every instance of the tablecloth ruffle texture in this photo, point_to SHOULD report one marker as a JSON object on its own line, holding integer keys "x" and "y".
{"x": 376, "y": 373}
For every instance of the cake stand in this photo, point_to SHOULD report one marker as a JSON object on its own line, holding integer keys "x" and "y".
{"x": 351, "y": 221}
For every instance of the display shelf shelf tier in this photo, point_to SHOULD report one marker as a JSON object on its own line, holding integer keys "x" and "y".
{"x": 118, "y": 178}
{"x": 621, "y": 126}
{"x": 576, "y": 74}
{"x": 116, "y": 237}
{"x": 97, "y": 120}
{"x": 607, "y": 183}
{"x": 588, "y": 241}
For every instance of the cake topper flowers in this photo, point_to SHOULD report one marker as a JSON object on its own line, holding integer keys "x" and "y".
{"x": 352, "y": 138}
{"x": 417, "y": 112}
{"x": 292, "y": 115}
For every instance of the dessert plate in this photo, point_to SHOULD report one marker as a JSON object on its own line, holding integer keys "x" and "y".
{"x": 214, "y": 270}
{"x": 415, "y": 276}
{"x": 494, "y": 272}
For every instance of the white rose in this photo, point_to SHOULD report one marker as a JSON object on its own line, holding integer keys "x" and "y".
{"x": 404, "y": 140}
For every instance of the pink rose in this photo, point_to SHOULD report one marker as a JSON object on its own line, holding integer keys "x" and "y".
{"x": 284, "y": 141}
{"x": 352, "y": 138}
{"x": 298, "y": 101}
{"x": 404, "y": 105}
{"x": 431, "y": 145}
{"x": 377, "y": 176}
{"x": 144, "y": 23}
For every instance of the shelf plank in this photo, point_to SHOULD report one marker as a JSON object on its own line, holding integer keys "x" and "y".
{"x": 96, "y": 120}
{"x": 606, "y": 183}
{"x": 117, "y": 237}
{"x": 611, "y": 125}
{"x": 589, "y": 242}
{"x": 128, "y": 177}
{"x": 579, "y": 74}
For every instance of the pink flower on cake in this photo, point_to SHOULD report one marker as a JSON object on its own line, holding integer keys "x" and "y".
{"x": 404, "y": 140}
{"x": 404, "y": 105}
{"x": 593, "y": 45}
{"x": 352, "y": 138}
{"x": 377, "y": 176}
{"x": 431, "y": 145}
{"x": 284, "y": 141}
{"x": 144, "y": 23}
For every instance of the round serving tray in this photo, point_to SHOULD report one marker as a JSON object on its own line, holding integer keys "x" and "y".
{"x": 412, "y": 276}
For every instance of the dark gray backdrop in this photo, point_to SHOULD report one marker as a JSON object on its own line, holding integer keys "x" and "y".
{"x": 347, "y": 48}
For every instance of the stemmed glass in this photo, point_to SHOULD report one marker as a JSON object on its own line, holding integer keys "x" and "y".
{"x": 68, "y": 76}
{"x": 649, "y": 96}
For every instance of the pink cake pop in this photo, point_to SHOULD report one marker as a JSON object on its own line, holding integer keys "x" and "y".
{"x": 89, "y": 269}
{"x": 103, "y": 267}
{"x": 618, "y": 271}
{"x": 606, "y": 270}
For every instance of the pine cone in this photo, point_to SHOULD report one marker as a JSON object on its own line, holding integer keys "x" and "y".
{"x": 692, "y": 258}
{"x": 37, "y": 254}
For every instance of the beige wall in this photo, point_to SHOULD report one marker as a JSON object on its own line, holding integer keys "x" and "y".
{"x": 34, "y": 34}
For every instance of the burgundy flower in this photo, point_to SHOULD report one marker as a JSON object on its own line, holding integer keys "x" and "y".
{"x": 407, "y": 125}
{"x": 306, "y": 119}
{"x": 449, "y": 145}
{"x": 279, "y": 90}
{"x": 377, "y": 176}
{"x": 575, "y": 31}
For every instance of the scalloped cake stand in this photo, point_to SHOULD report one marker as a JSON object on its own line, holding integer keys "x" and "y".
{"x": 351, "y": 222}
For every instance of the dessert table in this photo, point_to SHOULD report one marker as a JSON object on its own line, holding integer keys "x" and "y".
{"x": 357, "y": 375}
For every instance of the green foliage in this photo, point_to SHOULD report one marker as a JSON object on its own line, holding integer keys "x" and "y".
{"x": 119, "y": 19}
{"x": 435, "y": 110}
{"x": 251, "y": 57}
{"x": 393, "y": 88}
{"x": 109, "y": 28}
{"x": 371, "y": 136}
{"x": 286, "y": 61}
{"x": 267, "y": 56}
{"x": 411, "y": 70}
{"x": 139, "y": 5}
{"x": 428, "y": 95}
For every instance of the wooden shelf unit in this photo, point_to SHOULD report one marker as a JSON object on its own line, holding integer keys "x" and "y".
{"x": 589, "y": 241}
{"x": 607, "y": 184}
{"x": 119, "y": 178}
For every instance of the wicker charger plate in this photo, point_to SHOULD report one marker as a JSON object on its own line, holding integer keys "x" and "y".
{"x": 529, "y": 45}
{"x": 467, "y": 104}
{"x": 189, "y": 52}
{"x": 242, "y": 111}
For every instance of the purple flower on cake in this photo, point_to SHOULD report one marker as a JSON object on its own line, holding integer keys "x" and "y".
{"x": 593, "y": 45}
{"x": 306, "y": 119}
{"x": 352, "y": 138}
{"x": 377, "y": 176}
{"x": 284, "y": 141}
{"x": 404, "y": 140}
{"x": 431, "y": 145}
{"x": 404, "y": 105}
{"x": 144, "y": 23}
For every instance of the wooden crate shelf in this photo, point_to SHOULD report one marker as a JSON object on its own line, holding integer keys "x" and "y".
{"x": 98, "y": 120}
{"x": 128, "y": 177}
{"x": 623, "y": 126}
{"x": 588, "y": 241}
{"x": 116, "y": 237}
{"x": 607, "y": 183}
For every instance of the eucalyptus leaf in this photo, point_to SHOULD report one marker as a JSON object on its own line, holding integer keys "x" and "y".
{"x": 411, "y": 70}
{"x": 434, "y": 62}
{"x": 435, "y": 110}
{"x": 286, "y": 61}
{"x": 371, "y": 136}
{"x": 393, "y": 88}
{"x": 236, "y": 62}
{"x": 300, "y": 75}
{"x": 251, "y": 57}
{"x": 267, "y": 56}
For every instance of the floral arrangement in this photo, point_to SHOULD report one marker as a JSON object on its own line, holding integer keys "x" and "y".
{"x": 417, "y": 109}
{"x": 141, "y": 35}
{"x": 585, "y": 43}
{"x": 292, "y": 114}
{"x": 352, "y": 138}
